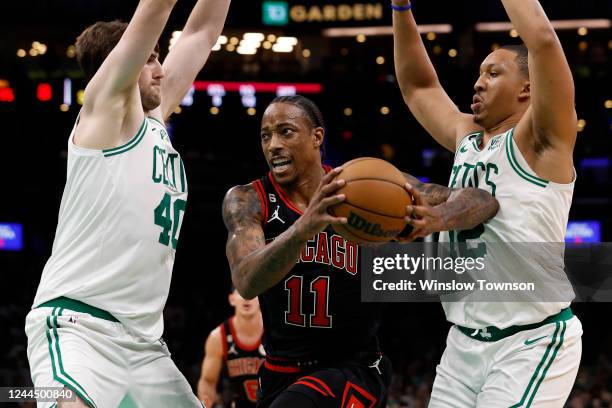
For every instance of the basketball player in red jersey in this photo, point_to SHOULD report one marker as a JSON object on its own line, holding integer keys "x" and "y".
{"x": 321, "y": 345}
{"x": 235, "y": 343}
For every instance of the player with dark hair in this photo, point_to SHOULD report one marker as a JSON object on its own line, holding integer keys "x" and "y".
{"x": 516, "y": 144}
{"x": 321, "y": 345}
{"x": 96, "y": 323}
{"x": 234, "y": 346}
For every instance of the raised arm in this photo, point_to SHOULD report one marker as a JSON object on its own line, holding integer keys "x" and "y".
{"x": 119, "y": 73}
{"x": 256, "y": 266}
{"x": 190, "y": 52}
{"x": 551, "y": 117}
{"x": 419, "y": 84}
{"x": 211, "y": 368}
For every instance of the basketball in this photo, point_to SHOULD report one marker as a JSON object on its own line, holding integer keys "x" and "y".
{"x": 376, "y": 200}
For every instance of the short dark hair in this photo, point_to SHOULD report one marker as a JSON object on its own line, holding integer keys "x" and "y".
{"x": 312, "y": 111}
{"x": 96, "y": 42}
{"x": 521, "y": 59}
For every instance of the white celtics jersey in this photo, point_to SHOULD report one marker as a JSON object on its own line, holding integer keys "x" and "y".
{"x": 531, "y": 210}
{"x": 118, "y": 227}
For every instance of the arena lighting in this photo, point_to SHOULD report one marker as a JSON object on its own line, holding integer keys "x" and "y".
{"x": 254, "y": 37}
{"x": 384, "y": 30}
{"x": 249, "y": 43}
{"x": 222, "y": 40}
{"x": 44, "y": 92}
{"x": 11, "y": 236}
{"x": 583, "y": 231}
{"x": 7, "y": 94}
{"x": 287, "y": 40}
{"x": 286, "y": 90}
{"x": 67, "y": 91}
{"x": 263, "y": 87}
{"x": 246, "y": 50}
{"x": 557, "y": 25}
{"x": 282, "y": 47}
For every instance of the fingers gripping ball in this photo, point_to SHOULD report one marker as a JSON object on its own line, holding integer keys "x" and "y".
{"x": 375, "y": 204}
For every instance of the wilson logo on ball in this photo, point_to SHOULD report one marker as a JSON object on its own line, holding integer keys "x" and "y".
{"x": 361, "y": 224}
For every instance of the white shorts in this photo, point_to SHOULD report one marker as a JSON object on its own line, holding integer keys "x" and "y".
{"x": 532, "y": 368}
{"x": 101, "y": 362}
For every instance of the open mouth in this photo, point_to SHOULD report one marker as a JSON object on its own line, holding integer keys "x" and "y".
{"x": 476, "y": 103}
{"x": 280, "y": 164}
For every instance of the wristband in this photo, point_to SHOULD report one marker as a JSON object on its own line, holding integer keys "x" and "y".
{"x": 401, "y": 8}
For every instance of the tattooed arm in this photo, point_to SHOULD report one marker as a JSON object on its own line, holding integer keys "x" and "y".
{"x": 433, "y": 194}
{"x": 256, "y": 266}
{"x": 438, "y": 208}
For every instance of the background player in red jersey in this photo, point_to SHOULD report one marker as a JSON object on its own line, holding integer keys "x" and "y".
{"x": 235, "y": 344}
{"x": 321, "y": 345}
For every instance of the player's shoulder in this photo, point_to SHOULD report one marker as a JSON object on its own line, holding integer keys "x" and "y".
{"x": 241, "y": 193}
{"x": 214, "y": 342}
{"x": 465, "y": 129}
{"x": 242, "y": 201}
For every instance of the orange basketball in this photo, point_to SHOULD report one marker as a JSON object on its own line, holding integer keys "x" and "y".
{"x": 376, "y": 200}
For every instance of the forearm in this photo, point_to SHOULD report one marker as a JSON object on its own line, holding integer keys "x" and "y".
{"x": 413, "y": 67}
{"x": 188, "y": 56}
{"x": 266, "y": 266}
{"x": 466, "y": 208}
{"x": 207, "y": 393}
{"x": 531, "y": 22}
{"x": 434, "y": 194}
{"x": 207, "y": 17}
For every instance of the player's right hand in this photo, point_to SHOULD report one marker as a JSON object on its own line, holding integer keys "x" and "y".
{"x": 316, "y": 217}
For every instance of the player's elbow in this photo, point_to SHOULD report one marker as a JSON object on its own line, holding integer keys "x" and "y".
{"x": 545, "y": 39}
{"x": 245, "y": 287}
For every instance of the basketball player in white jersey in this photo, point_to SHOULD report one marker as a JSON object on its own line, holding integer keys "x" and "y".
{"x": 517, "y": 144}
{"x": 96, "y": 323}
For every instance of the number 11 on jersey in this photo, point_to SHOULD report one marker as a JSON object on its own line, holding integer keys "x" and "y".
{"x": 320, "y": 288}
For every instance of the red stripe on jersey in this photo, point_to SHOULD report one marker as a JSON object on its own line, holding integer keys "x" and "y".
{"x": 314, "y": 387}
{"x": 327, "y": 168}
{"x": 262, "y": 198}
{"x": 371, "y": 399}
{"x": 280, "y": 369}
{"x": 223, "y": 341}
{"x": 320, "y": 382}
{"x": 282, "y": 195}
{"x": 240, "y": 344}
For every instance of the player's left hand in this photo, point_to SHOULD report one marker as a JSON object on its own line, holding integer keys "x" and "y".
{"x": 422, "y": 217}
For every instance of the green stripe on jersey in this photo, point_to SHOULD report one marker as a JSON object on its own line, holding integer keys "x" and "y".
{"x": 535, "y": 390}
{"x": 516, "y": 165}
{"x": 152, "y": 118}
{"x": 56, "y": 359}
{"x": 538, "y": 368}
{"x": 129, "y": 145}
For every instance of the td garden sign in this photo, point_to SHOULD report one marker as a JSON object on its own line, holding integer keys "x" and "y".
{"x": 281, "y": 13}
